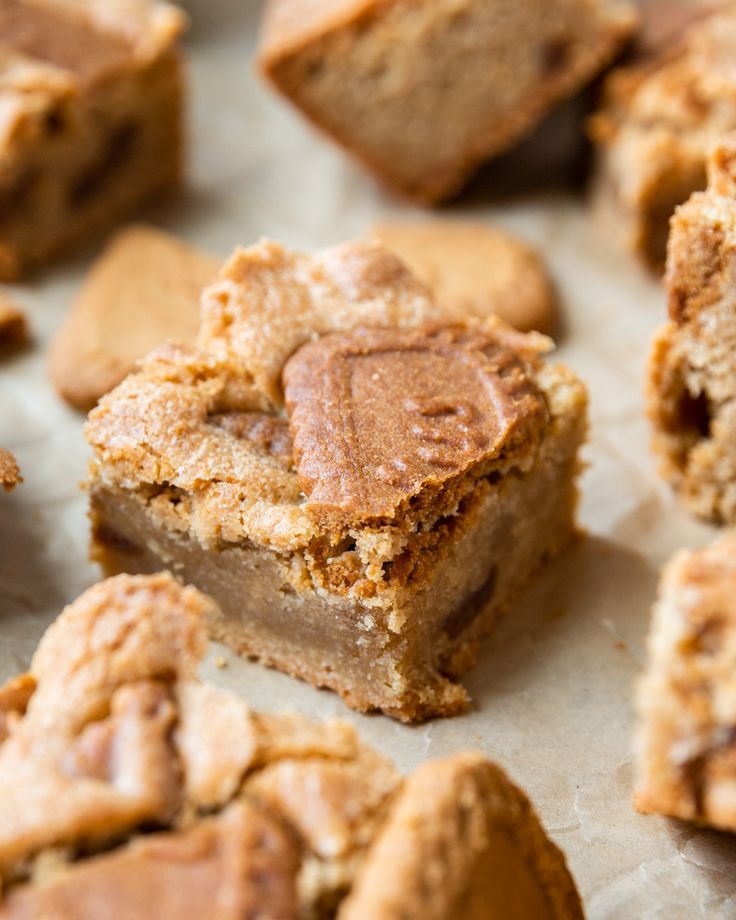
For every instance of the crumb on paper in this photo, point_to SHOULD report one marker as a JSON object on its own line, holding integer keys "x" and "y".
{"x": 220, "y": 662}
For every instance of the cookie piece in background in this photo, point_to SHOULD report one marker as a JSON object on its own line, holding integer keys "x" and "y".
{"x": 362, "y": 484}
{"x": 423, "y": 93}
{"x": 476, "y": 269}
{"x": 111, "y": 734}
{"x": 691, "y": 385}
{"x": 91, "y": 96}
{"x": 143, "y": 289}
{"x": 13, "y": 326}
{"x": 9, "y": 470}
{"x": 659, "y": 116}
{"x": 686, "y": 700}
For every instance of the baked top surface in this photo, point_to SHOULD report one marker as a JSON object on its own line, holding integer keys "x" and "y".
{"x": 211, "y": 422}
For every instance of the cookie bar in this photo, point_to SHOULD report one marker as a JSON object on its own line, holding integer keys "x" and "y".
{"x": 111, "y": 736}
{"x": 90, "y": 119}
{"x": 9, "y": 471}
{"x": 476, "y": 269}
{"x": 423, "y": 93}
{"x": 142, "y": 290}
{"x": 692, "y": 368}
{"x": 686, "y": 752}
{"x": 659, "y": 117}
{"x": 361, "y": 483}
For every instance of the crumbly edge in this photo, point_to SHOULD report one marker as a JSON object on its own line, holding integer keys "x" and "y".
{"x": 685, "y": 740}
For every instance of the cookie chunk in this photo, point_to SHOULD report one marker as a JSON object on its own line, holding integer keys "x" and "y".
{"x": 111, "y": 735}
{"x": 351, "y": 474}
{"x": 692, "y": 368}
{"x": 142, "y": 290}
{"x": 686, "y": 752}
{"x": 476, "y": 270}
{"x": 422, "y": 93}
{"x": 659, "y": 117}
{"x": 9, "y": 471}
{"x": 90, "y": 119}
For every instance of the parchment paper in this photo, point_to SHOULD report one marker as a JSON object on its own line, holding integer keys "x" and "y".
{"x": 552, "y": 689}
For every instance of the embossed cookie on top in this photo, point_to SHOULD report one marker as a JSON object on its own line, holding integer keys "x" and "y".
{"x": 111, "y": 736}
{"x": 381, "y": 416}
{"x": 348, "y": 470}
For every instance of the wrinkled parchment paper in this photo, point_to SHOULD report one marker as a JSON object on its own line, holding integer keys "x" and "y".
{"x": 552, "y": 689}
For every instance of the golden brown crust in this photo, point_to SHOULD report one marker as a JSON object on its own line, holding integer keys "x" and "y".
{"x": 9, "y": 470}
{"x": 462, "y": 841}
{"x": 690, "y": 390}
{"x": 143, "y": 290}
{"x": 379, "y": 75}
{"x": 256, "y": 814}
{"x": 686, "y": 753}
{"x": 475, "y": 270}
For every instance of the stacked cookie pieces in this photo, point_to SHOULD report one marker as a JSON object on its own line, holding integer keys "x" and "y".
{"x": 126, "y": 782}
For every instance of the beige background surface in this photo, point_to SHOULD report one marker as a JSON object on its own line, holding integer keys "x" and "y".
{"x": 553, "y": 687}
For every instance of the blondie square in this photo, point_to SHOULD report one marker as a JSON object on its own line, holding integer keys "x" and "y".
{"x": 660, "y": 115}
{"x": 111, "y": 736}
{"x": 423, "y": 93}
{"x": 361, "y": 482}
{"x": 691, "y": 386}
{"x": 90, "y": 119}
{"x": 686, "y": 749}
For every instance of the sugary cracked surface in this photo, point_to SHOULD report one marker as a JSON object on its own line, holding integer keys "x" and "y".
{"x": 686, "y": 739}
{"x": 194, "y": 419}
{"x": 125, "y": 782}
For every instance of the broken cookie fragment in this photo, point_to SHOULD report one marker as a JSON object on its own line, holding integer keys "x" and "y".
{"x": 692, "y": 369}
{"x": 143, "y": 290}
{"x": 686, "y": 700}
{"x": 477, "y": 270}
{"x": 126, "y": 782}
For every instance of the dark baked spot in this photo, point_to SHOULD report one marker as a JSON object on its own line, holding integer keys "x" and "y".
{"x": 471, "y": 608}
{"x": 113, "y": 540}
{"x": 555, "y": 54}
{"x": 694, "y": 414}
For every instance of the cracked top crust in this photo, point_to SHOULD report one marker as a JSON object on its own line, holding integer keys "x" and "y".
{"x": 208, "y": 426}
{"x": 110, "y": 736}
{"x": 686, "y": 747}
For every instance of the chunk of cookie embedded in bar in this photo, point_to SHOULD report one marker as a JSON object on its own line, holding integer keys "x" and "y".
{"x": 686, "y": 700}
{"x": 361, "y": 482}
{"x": 659, "y": 117}
{"x": 423, "y": 93}
{"x": 691, "y": 388}
{"x": 90, "y": 119}
{"x": 127, "y": 782}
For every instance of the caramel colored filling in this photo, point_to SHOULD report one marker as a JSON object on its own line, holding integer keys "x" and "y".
{"x": 46, "y": 35}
